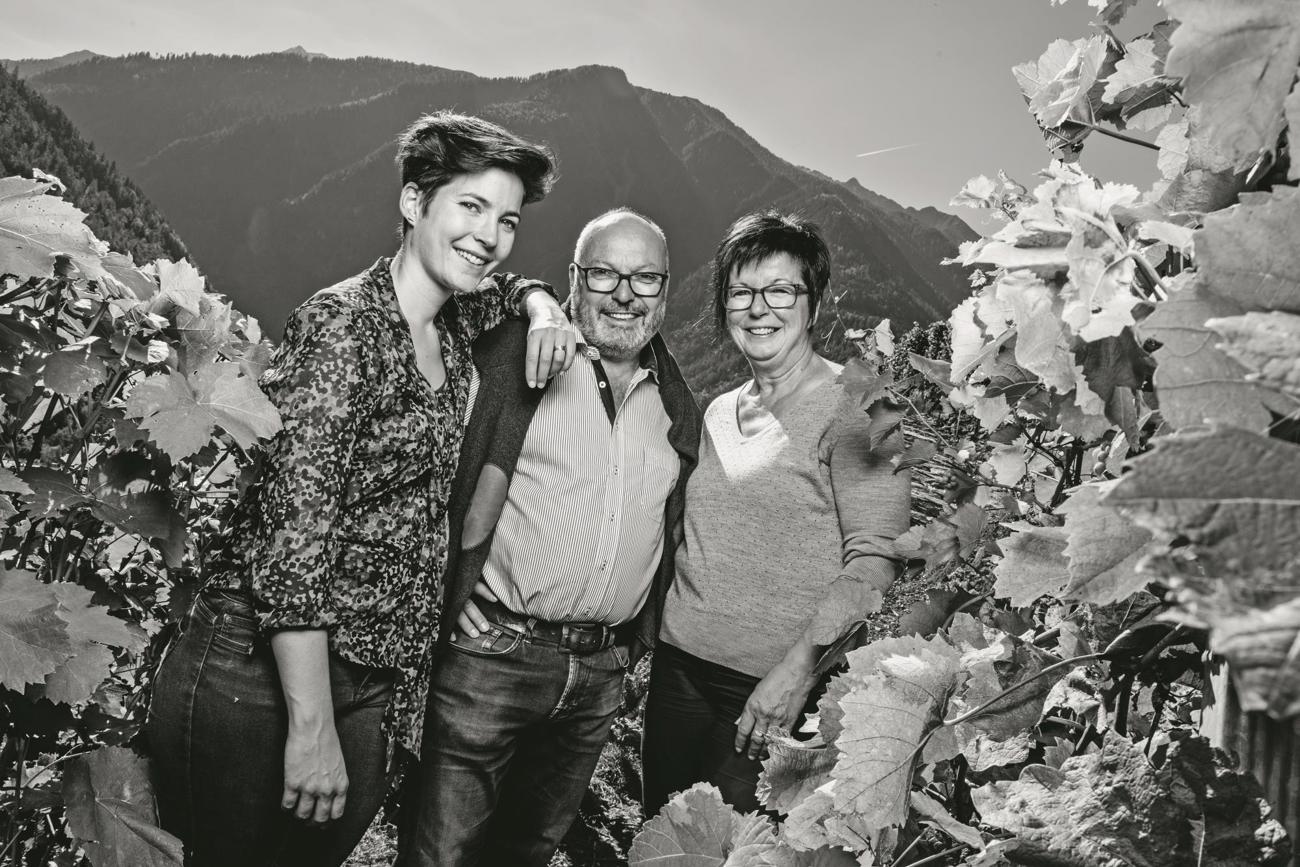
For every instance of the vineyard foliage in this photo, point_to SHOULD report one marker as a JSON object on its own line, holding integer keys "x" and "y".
{"x": 129, "y": 407}
{"x": 1126, "y": 518}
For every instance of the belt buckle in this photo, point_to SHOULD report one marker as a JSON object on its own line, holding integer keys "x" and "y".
{"x": 574, "y": 641}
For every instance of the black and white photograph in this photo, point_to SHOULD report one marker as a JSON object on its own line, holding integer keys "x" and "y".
{"x": 850, "y": 433}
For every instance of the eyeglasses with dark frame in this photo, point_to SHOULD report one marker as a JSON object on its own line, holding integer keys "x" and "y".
{"x": 777, "y": 296}
{"x": 602, "y": 280}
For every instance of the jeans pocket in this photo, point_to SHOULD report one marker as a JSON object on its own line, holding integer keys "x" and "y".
{"x": 495, "y": 641}
{"x": 232, "y": 630}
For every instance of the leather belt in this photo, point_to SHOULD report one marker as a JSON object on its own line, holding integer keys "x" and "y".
{"x": 568, "y": 637}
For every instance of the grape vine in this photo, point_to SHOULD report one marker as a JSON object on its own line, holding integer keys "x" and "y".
{"x": 129, "y": 404}
{"x": 1132, "y": 490}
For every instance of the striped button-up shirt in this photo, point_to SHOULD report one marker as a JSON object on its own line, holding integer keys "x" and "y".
{"x": 582, "y": 530}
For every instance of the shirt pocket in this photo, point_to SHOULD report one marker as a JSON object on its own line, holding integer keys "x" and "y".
{"x": 655, "y": 478}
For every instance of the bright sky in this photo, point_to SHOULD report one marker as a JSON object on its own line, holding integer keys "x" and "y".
{"x": 923, "y": 85}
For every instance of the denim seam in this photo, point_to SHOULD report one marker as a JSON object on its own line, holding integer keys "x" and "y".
{"x": 570, "y": 686}
{"x": 189, "y": 729}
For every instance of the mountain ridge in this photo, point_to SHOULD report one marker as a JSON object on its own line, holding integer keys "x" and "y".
{"x": 276, "y": 169}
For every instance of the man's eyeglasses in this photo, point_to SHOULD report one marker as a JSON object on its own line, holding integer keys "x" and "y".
{"x": 778, "y": 296}
{"x": 646, "y": 284}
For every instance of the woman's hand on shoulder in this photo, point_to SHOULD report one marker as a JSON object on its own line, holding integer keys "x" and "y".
{"x": 775, "y": 702}
{"x": 552, "y": 343}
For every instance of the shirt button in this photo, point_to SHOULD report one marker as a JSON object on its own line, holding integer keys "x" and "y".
{"x": 602, "y": 385}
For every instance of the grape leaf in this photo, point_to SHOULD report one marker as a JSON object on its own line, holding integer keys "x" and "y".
{"x": 35, "y": 228}
{"x": 937, "y": 372}
{"x": 180, "y": 285}
{"x": 90, "y": 622}
{"x": 1033, "y": 565}
{"x": 77, "y": 678}
{"x": 52, "y": 490}
{"x": 792, "y": 771}
{"x": 74, "y": 370}
{"x": 1137, "y": 73}
{"x": 236, "y": 403}
{"x": 1265, "y": 343}
{"x": 695, "y": 829}
{"x": 932, "y": 812}
{"x": 1233, "y": 494}
{"x": 10, "y": 483}
{"x": 110, "y": 811}
{"x": 181, "y": 414}
{"x": 33, "y": 638}
{"x": 1104, "y": 549}
{"x": 1042, "y": 341}
{"x": 1111, "y": 11}
{"x": 1114, "y": 807}
{"x": 885, "y": 719}
{"x": 1237, "y": 62}
{"x": 1194, "y": 381}
{"x": 206, "y": 336}
{"x": 1248, "y": 254}
{"x": 1292, "y": 107}
{"x": 1059, "y": 83}
{"x": 171, "y": 414}
{"x": 1260, "y": 646}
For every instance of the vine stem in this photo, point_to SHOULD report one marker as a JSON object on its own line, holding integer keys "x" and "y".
{"x": 1115, "y": 134}
{"x": 971, "y": 714}
{"x": 898, "y": 859}
{"x": 930, "y": 859}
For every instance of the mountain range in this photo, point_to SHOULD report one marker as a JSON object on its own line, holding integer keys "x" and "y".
{"x": 277, "y": 170}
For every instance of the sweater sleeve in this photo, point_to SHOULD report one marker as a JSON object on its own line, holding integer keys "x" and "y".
{"x": 873, "y": 504}
{"x": 499, "y": 296}
{"x": 319, "y": 381}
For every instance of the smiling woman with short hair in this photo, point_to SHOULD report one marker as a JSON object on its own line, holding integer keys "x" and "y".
{"x": 787, "y": 502}
{"x": 304, "y": 663}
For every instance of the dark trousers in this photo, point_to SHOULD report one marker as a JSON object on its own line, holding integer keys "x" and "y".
{"x": 217, "y": 729}
{"x": 514, "y": 729}
{"x": 690, "y": 731}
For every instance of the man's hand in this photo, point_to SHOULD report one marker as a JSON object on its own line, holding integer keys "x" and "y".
{"x": 774, "y": 703}
{"x": 315, "y": 779}
{"x": 470, "y": 620}
{"x": 551, "y": 340}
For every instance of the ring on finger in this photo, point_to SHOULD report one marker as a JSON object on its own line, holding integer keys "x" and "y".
{"x": 559, "y": 349}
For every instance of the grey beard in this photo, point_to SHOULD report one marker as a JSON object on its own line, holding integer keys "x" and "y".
{"x": 622, "y": 345}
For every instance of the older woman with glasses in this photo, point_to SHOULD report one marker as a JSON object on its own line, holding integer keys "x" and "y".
{"x": 782, "y": 514}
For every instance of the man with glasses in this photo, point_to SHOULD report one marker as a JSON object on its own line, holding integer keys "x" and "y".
{"x": 562, "y": 517}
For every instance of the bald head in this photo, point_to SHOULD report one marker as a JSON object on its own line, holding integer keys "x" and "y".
{"x": 621, "y": 218}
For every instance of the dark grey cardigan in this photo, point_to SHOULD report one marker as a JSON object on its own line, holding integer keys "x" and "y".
{"x": 502, "y": 413}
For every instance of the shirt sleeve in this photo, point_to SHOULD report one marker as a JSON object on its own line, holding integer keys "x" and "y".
{"x": 319, "y": 381}
{"x": 499, "y": 296}
{"x": 874, "y": 504}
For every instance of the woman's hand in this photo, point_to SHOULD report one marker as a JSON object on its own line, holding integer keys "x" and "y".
{"x": 551, "y": 341}
{"x": 775, "y": 702}
{"x": 315, "y": 779}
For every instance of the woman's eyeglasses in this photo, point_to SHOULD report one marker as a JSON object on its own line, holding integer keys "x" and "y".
{"x": 777, "y": 296}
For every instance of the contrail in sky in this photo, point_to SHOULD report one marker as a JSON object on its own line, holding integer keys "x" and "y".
{"x": 887, "y": 150}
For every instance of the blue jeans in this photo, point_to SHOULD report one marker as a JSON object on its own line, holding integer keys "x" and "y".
{"x": 217, "y": 727}
{"x": 514, "y": 729}
{"x": 690, "y": 731}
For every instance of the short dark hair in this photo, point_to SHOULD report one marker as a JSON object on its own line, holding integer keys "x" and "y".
{"x": 442, "y": 145}
{"x": 761, "y": 235}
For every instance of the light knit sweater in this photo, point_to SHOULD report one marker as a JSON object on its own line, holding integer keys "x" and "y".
{"x": 778, "y": 530}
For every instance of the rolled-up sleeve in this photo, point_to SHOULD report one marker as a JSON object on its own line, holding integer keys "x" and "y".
{"x": 873, "y": 503}
{"x": 497, "y": 297}
{"x": 320, "y": 382}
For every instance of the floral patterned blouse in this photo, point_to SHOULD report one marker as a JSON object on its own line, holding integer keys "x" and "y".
{"x": 345, "y": 528}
